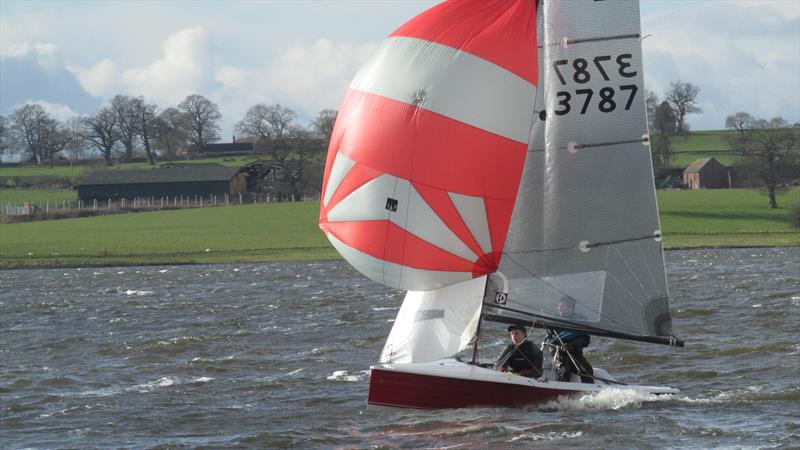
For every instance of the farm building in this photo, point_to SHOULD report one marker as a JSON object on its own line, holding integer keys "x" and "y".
{"x": 706, "y": 173}
{"x": 239, "y": 147}
{"x": 177, "y": 180}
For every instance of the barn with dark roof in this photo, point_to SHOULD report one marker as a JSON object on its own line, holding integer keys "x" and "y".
{"x": 179, "y": 180}
{"x": 706, "y": 173}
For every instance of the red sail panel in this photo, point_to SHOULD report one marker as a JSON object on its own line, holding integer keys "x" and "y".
{"x": 500, "y": 31}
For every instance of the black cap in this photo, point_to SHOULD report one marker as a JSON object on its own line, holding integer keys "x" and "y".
{"x": 516, "y": 327}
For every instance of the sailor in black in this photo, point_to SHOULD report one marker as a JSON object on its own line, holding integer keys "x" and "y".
{"x": 520, "y": 356}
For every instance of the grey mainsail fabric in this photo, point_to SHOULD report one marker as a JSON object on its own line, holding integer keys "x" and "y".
{"x": 585, "y": 223}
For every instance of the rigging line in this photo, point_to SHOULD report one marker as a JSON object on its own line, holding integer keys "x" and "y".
{"x": 599, "y": 144}
{"x": 563, "y": 348}
{"x": 595, "y": 39}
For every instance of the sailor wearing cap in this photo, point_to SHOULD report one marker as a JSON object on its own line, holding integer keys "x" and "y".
{"x": 520, "y": 356}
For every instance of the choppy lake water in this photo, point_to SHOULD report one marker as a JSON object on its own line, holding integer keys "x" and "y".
{"x": 277, "y": 356}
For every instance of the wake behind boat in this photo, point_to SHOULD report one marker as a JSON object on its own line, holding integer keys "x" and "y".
{"x": 492, "y": 159}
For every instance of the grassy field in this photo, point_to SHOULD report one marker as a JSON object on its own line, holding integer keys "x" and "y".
{"x": 68, "y": 171}
{"x": 288, "y": 231}
{"x": 278, "y": 231}
{"x": 39, "y": 196}
{"x": 726, "y": 218}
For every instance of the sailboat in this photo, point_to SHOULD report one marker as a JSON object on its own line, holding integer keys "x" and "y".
{"x": 491, "y": 158}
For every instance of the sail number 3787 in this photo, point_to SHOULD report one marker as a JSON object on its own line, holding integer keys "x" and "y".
{"x": 607, "y": 99}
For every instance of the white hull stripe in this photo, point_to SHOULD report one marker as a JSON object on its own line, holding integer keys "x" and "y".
{"x": 452, "y": 83}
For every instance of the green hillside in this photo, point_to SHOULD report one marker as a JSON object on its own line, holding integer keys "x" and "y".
{"x": 288, "y": 231}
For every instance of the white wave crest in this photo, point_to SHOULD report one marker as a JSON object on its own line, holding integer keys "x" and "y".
{"x": 550, "y": 436}
{"x": 343, "y": 375}
{"x": 605, "y": 399}
{"x": 138, "y": 292}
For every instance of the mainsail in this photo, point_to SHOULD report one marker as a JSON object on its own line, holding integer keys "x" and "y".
{"x": 429, "y": 144}
{"x": 585, "y": 223}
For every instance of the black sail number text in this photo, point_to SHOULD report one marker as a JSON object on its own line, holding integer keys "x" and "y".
{"x": 605, "y": 99}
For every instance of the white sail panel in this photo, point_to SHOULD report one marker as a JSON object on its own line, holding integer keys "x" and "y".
{"x": 473, "y": 212}
{"x": 412, "y": 213}
{"x": 341, "y": 166}
{"x": 395, "y": 275}
{"x": 450, "y": 82}
{"x": 435, "y": 324}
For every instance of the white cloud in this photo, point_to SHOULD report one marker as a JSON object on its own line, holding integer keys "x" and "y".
{"x": 181, "y": 71}
{"x": 305, "y": 78}
{"x": 45, "y": 53}
{"x": 57, "y": 111}
{"x": 101, "y": 80}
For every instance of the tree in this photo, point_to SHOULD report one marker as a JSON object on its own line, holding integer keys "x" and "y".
{"x": 76, "y": 139}
{"x": 769, "y": 153}
{"x": 32, "y": 126}
{"x": 171, "y": 132}
{"x": 202, "y": 119}
{"x": 254, "y": 122}
{"x": 662, "y": 133}
{"x": 682, "y": 97}
{"x": 270, "y": 121}
{"x": 741, "y": 122}
{"x": 5, "y": 135}
{"x": 123, "y": 106}
{"x": 144, "y": 121}
{"x": 323, "y": 124}
{"x": 57, "y": 139}
{"x": 101, "y": 132}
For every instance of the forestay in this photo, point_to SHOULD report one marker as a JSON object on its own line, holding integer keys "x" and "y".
{"x": 585, "y": 224}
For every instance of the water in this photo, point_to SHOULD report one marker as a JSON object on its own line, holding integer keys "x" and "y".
{"x": 276, "y": 356}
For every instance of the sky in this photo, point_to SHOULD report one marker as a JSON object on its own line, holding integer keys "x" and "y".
{"x": 71, "y": 57}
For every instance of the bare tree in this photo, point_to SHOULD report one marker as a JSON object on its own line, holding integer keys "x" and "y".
{"x": 741, "y": 122}
{"x": 5, "y": 135}
{"x": 144, "y": 121}
{"x": 255, "y": 122}
{"x": 76, "y": 139}
{"x": 123, "y": 106}
{"x": 57, "y": 139}
{"x": 323, "y": 124}
{"x": 270, "y": 121}
{"x": 171, "y": 132}
{"x": 31, "y": 124}
{"x": 203, "y": 119}
{"x": 682, "y": 97}
{"x": 769, "y": 153}
{"x": 662, "y": 133}
{"x": 298, "y": 153}
{"x": 101, "y": 132}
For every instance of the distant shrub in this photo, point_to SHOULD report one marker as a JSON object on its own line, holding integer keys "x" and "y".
{"x": 794, "y": 214}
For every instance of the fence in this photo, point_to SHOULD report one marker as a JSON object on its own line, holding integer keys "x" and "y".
{"x": 75, "y": 208}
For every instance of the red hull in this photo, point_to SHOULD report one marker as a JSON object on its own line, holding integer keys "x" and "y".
{"x": 408, "y": 390}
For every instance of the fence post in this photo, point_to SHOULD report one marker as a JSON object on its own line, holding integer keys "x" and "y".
{"x": 94, "y": 204}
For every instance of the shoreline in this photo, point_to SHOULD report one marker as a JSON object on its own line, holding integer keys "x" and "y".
{"x": 46, "y": 264}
